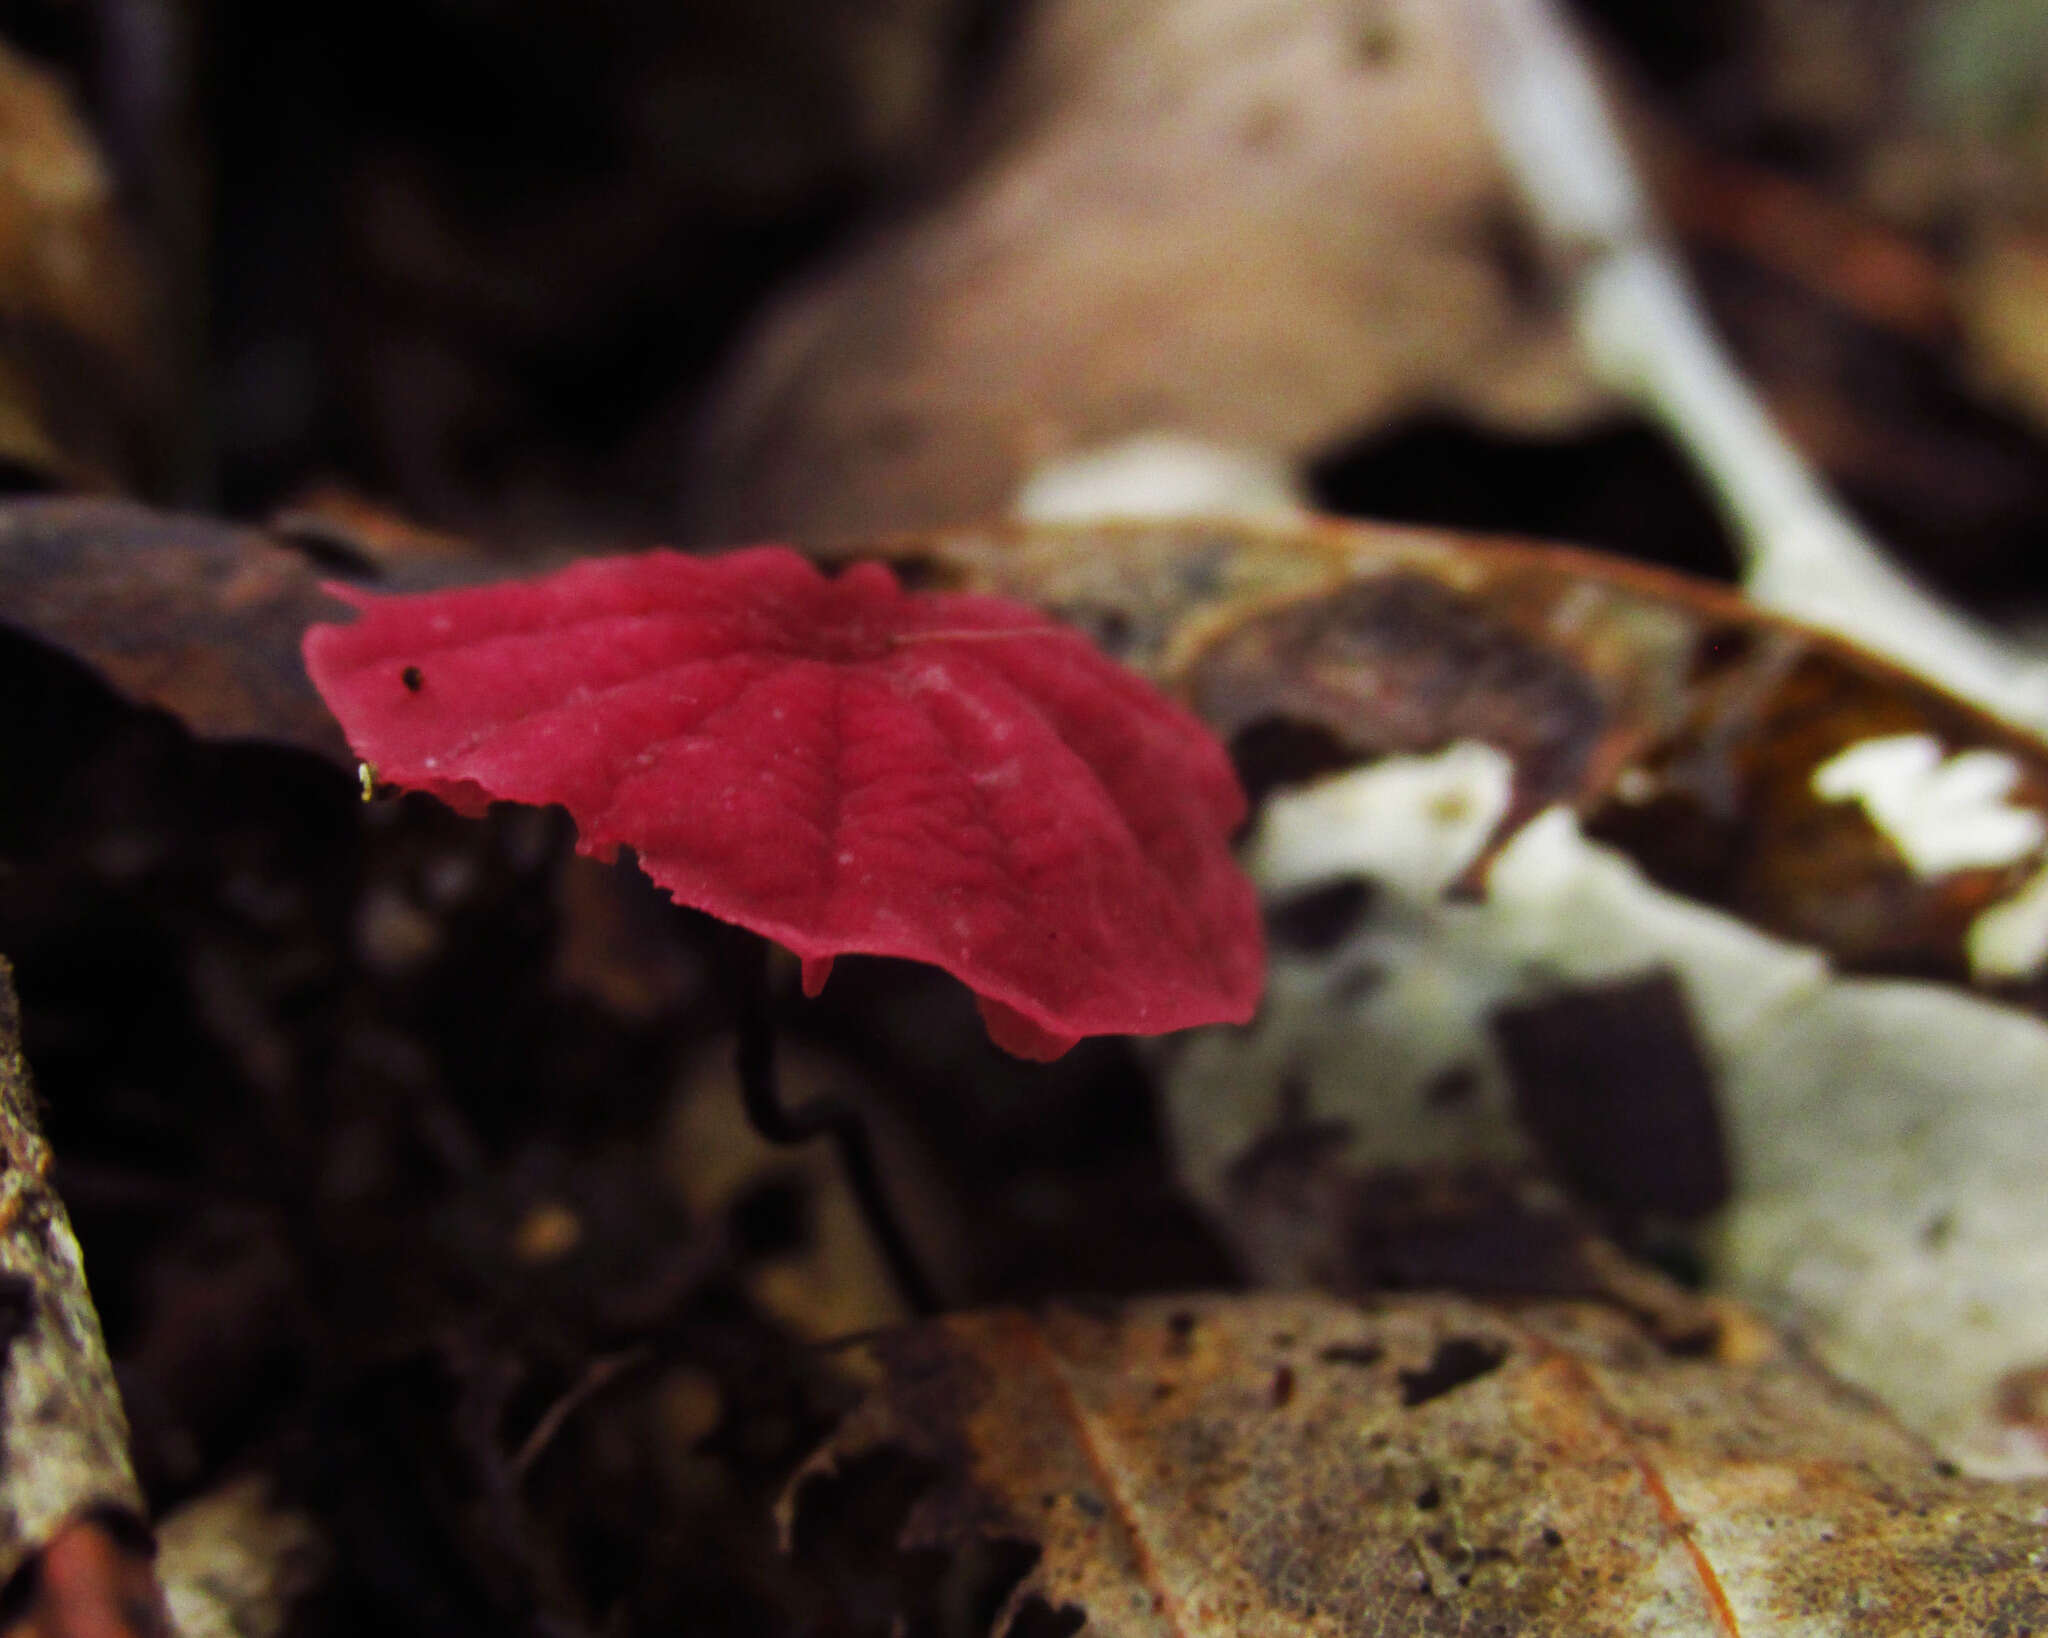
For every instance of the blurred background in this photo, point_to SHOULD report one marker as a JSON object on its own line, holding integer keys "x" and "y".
{"x": 537, "y": 270}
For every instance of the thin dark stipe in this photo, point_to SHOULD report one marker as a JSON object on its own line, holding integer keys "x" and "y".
{"x": 825, "y": 1116}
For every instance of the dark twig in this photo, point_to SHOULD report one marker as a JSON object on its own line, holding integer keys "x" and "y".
{"x": 825, "y": 1116}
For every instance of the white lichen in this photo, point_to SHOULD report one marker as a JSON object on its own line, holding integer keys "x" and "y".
{"x": 1941, "y": 814}
{"x": 1889, "y": 1198}
{"x": 1158, "y": 475}
{"x": 2009, "y": 942}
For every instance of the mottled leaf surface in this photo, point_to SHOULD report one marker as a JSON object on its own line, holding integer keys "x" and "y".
{"x": 1297, "y": 1465}
{"x": 63, "y": 1436}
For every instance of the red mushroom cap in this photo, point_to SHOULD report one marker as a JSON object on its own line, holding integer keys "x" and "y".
{"x": 841, "y": 765}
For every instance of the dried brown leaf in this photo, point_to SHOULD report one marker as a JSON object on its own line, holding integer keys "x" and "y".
{"x": 235, "y": 1561}
{"x": 193, "y": 616}
{"x": 199, "y": 617}
{"x": 1296, "y": 1465}
{"x": 61, "y": 1423}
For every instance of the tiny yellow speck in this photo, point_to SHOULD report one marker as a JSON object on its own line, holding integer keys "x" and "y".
{"x": 367, "y": 773}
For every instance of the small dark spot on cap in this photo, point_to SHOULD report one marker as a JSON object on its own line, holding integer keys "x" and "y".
{"x": 1283, "y": 1386}
{"x": 1431, "y": 1499}
{"x": 412, "y": 679}
{"x": 1353, "y": 1353}
{"x": 1551, "y": 1538}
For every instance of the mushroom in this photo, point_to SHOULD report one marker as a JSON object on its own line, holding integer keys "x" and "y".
{"x": 841, "y": 765}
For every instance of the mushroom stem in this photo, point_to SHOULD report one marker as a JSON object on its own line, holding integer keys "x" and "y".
{"x": 825, "y": 1116}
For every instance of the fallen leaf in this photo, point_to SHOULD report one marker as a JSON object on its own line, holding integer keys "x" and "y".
{"x": 191, "y": 615}
{"x": 234, "y": 1562}
{"x": 1297, "y": 1465}
{"x": 60, "y": 1412}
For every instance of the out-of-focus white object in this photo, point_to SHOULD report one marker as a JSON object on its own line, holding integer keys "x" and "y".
{"x": 1161, "y": 474}
{"x": 1888, "y": 1137}
{"x": 1943, "y": 814}
{"x": 1643, "y": 331}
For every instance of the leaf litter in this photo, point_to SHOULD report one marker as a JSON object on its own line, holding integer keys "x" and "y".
{"x": 332, "y": 983}
{"x": 1296, "y": 1464}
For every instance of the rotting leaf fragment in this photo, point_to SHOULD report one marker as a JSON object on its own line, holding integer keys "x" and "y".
{"x": 62, "y": 1430}
{"x": 1433, "y": 1466}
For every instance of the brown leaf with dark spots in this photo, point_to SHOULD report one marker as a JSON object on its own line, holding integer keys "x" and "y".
{"x": 195, "y": 616}
{"x": 236, "y": 1561}
{"x": 1297, "y": 1465}
{"x": 62, "y": 1431}
{"x": 198, "y": 618}
{"x": 336, "y": 521}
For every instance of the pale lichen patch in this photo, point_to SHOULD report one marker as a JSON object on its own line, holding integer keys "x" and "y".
{"x": 2010, "y": 940}
{"x": 1942, "y": 814}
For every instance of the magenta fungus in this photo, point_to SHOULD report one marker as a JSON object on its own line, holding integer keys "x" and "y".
{"x": 841, "y": 765}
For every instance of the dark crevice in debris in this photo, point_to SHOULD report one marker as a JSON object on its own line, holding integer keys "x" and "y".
{"x": 1035, "y": 1618}
{"x": 848, "y": 1534}
{"x": 17, "y": 1310}
{"x": 1595, "y": 489}
{"x": 1614, "y": 1085}
{"x": 1276, "y": 751}
{"x": 1457, "y": 1361}
{"x": 1317, "y": 919}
